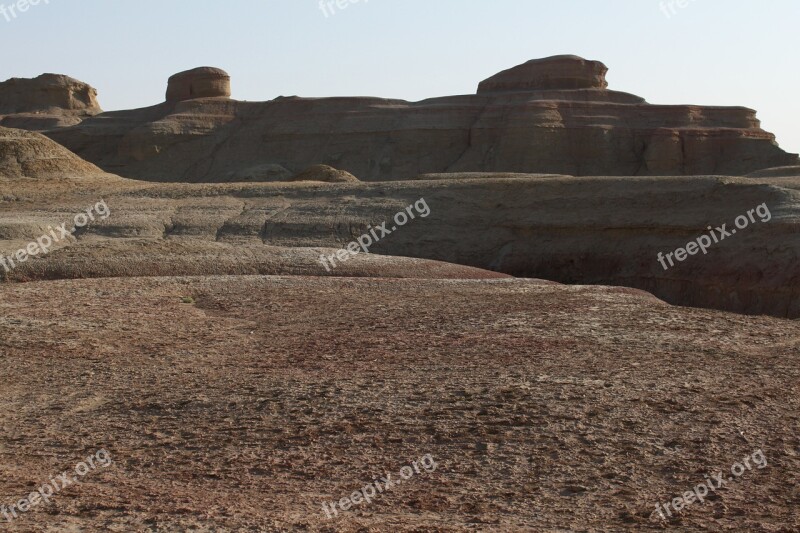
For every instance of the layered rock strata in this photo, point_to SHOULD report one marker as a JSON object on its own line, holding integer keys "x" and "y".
{"x": 554, "y": 115}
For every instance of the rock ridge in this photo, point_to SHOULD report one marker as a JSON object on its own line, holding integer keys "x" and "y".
{"x": 548, "y": 116}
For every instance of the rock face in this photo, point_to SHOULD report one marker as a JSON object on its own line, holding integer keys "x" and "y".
{"x": 202, "y": 82}
{"x": 551, "y": 116}
{"x": 551, "y": 73}
{"x": 47, "y": 101}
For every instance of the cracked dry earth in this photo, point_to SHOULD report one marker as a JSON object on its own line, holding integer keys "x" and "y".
{"x": 244, "y": 403}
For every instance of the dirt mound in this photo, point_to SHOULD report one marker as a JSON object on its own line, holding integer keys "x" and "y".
{"x": 325, "y": 174}
{"x": 25, "y": 154}
{"x": 96, "y": 258}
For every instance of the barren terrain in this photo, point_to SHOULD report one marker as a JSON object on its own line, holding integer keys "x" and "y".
{"x": 213, "y": 346}
{"x": 245, "y": 403}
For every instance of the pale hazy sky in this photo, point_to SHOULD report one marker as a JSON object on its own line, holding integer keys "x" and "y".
{"x": 713, "y": 52}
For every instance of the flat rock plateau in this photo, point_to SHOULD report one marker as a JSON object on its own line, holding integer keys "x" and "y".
{"x": 520, "y": 329}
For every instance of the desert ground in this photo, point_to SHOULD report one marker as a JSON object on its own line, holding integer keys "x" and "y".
{"x": 545, "y": 407}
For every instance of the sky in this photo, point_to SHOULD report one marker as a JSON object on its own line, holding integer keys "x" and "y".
{"x": 709, "y": 52}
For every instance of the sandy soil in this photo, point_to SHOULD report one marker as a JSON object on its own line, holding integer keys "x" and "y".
{"x": 245, "y": 403}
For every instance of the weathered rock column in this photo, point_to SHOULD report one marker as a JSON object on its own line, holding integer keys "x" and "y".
{"x": 202, "y": 82}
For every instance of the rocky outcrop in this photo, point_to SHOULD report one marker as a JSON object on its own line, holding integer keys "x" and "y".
{"x": 552, "y": 116}
{"x": 203, "y": 82}
{"x": 48, "y": 92}
{"x": 46, "y": 102}
{"x": 552, "y": 73}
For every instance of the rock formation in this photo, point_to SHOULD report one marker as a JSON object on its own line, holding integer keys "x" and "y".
{"x": 552, "y": 73}
{"x": 530, "y": 117}
{"x": 553, "y": 115}
{"x": 202, "y": 82}
{"x": 48, "y": 101}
